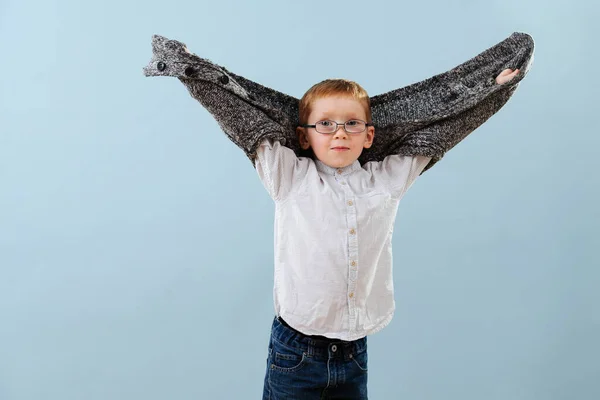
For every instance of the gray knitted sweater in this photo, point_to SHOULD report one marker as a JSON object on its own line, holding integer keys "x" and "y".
{"x": 425, "y": 118}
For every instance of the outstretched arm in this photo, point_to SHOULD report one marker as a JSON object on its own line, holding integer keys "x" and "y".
{"x": 246, "y": 111}
{"x": 426, "y": 118}
{"x": 430, "y": 117}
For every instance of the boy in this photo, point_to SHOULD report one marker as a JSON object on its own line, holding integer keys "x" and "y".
{"x": 333, "y": 230}
{"x": 333, "y": 251}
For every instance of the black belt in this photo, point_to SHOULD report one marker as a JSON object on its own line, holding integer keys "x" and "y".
{"x": 303, "y": 334}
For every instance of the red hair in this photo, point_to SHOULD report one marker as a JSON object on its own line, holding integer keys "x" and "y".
{"x": 333, "y": 87}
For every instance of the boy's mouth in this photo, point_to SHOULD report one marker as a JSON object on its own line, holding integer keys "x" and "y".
{"x": 340, "y": 148}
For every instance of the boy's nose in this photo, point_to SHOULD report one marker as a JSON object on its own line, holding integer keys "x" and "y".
{"x": 340, "y": 131}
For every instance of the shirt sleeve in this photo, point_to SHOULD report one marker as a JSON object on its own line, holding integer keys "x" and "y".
{"x": 399, "y": 171}
{"x": 278, "y": 168}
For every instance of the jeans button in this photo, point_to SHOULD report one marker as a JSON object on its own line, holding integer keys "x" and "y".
{"x": 333, "y": 348}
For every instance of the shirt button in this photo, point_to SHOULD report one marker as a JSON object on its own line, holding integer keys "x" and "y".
{"x": 353, "y": 263}
{"x": 350, "y": 202}
{"x": 343, "y": 183}
{"x": 351, "y": 294}
{"x": 352, "y": 231}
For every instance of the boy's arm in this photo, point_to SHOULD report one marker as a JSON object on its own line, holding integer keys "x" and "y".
{"x": 246, "y": 111}
{"x": 427, "y": 118}
{"x": 278, "y": 168}
{"x": 399, "y": 172}
{"x": 430, "y": 117}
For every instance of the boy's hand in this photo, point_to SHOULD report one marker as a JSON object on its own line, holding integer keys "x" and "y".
{"x": 506, "y": 75}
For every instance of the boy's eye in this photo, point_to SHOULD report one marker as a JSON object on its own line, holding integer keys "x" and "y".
{"x": 352, "y": 122}
{"x": 324, "y": 123}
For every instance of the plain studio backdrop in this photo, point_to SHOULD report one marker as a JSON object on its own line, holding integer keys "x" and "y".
{"x": 136, "y": 240}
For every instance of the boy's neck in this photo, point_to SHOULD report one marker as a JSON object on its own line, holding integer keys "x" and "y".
{"x": 321, "y": 166}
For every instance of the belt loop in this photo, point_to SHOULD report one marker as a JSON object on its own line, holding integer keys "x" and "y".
{"x": 359, "y": 345}
{"x": 349, "y": 350}
{"x": 311, "y": 347}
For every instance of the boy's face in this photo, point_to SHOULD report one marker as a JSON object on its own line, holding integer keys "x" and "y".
{"x": 339, "y": 109}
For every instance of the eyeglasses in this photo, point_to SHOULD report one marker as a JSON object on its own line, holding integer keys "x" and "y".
{"x": 353, "y": 126}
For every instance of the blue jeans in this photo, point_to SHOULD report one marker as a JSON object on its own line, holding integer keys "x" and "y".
{"x": 314, "y": 367}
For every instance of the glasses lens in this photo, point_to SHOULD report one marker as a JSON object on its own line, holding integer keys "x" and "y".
{"x": 355, "y": 126}
{"x": 326, "y": 126}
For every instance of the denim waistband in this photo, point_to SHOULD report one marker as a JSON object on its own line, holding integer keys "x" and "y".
{"x": 319, "y": 346}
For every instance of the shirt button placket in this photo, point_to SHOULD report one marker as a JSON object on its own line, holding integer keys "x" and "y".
{"x": 353, "y": 270}
{"x": 352, "y": 254}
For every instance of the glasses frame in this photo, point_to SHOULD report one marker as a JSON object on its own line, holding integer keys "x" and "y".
{"x": 337, "y": 126}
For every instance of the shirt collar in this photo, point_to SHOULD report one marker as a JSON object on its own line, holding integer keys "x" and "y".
{"x": 321, "y": 166}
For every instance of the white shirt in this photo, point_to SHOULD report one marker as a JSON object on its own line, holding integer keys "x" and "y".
{"x": 333, "y": 239}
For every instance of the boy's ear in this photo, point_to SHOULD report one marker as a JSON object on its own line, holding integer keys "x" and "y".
{"x": 302, "y": 138}
{"x": 370, "y": 136}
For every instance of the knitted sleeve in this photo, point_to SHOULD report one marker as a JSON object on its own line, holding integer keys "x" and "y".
{"x": 431, "y": 116}
{"x": 426, "y": 118}
{"x": 247, "y": 112}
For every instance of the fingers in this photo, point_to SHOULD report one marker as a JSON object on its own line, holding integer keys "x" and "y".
{"x": 506, "y": 75}
{"x": 509, "y": 71}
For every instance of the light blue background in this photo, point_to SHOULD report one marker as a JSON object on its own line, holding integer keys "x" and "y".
{"x": 136, "y": 240}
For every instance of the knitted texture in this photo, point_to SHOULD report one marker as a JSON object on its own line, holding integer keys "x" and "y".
{"x": 426, "y": 118}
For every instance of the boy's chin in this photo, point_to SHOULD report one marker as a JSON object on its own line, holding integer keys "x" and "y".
{"x": 334, "y": 160}
{"x": 338, "y": 163}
